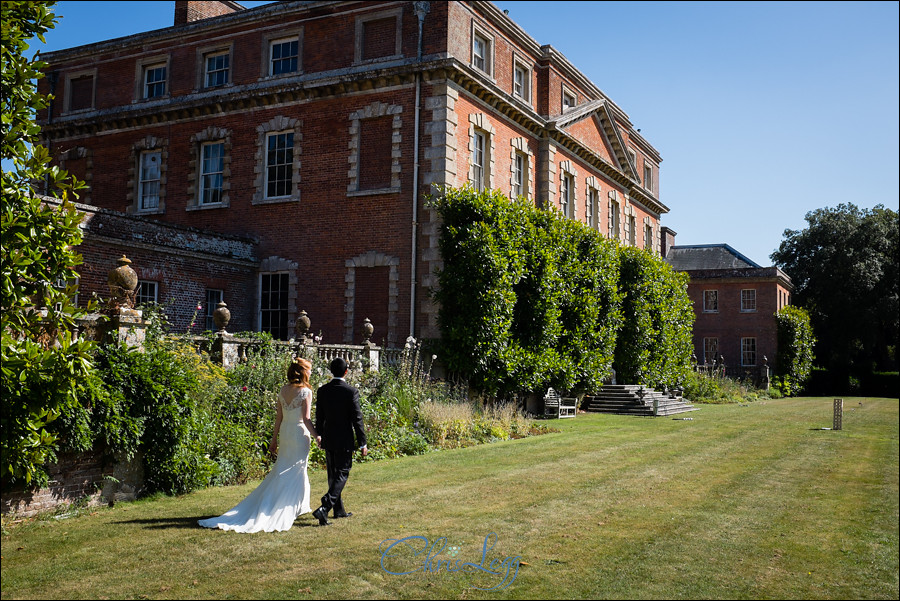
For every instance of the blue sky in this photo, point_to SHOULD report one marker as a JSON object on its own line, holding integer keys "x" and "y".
{"x": 762, "y": 111}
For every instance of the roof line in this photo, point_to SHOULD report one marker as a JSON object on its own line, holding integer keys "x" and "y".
{"x": 730, "y": 249}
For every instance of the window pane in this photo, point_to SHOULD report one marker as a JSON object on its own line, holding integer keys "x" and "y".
{"x": 274, "y": 304}
{"x": 217, "y": 70}
{"x": 212, "y": 167}
{"x": 279, "y": 162}
{"x": 479, "y": 50}
{"x": 748, "y": 351}
{"x": 284, "y": 57}
{"x": 478, "y": 162}
{"x": 155, "y": 81}
{"x": 213, "y": 298}
{"x": 146, "y": 293}
{"x": 148, "y": 187}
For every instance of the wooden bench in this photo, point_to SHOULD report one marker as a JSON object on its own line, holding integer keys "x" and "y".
{"x": 559, "y": 407}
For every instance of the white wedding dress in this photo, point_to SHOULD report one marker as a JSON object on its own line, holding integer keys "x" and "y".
{"x": 284, "y": 494}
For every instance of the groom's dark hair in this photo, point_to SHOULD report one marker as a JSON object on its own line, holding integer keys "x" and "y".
{"x": 338, "y": 367}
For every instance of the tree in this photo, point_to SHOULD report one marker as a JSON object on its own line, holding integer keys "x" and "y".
{"x": 844, "y": 266}
{"x": 41, "y": 359}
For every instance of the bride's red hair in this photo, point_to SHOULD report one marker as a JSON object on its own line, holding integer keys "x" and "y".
{"x": 298, "y": 372}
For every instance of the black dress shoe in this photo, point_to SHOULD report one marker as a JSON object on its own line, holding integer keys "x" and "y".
{"x": 346, "y": 514}
{"x": 321, "y": 515}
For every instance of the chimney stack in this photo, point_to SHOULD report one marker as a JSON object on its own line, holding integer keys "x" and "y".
{"x": 188, "y": 12}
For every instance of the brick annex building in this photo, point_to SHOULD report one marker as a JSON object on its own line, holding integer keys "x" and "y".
{"x": 735, "y": 301}
{"x": 279, "y": 157}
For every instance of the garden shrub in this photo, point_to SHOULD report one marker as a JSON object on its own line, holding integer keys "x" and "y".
{"x": 795, "y": 349}
{"x": 527, "y": 297}
{"x": 654, "y": 343}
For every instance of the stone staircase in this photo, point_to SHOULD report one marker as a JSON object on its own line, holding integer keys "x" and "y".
{"x": 625, "y": 399}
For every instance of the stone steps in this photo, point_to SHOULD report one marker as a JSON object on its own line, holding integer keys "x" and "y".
{"x": 626, "y": 400}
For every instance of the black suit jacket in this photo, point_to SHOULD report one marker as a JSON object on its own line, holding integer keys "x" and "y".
{"x": 339, "y": 417}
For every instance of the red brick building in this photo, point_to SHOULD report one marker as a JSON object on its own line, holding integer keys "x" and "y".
{"x": 735, "y": 301}
{"x": 313, "y": 131}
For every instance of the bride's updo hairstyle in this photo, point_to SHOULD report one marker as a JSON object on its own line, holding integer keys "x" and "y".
{"x": 298, "y": 372}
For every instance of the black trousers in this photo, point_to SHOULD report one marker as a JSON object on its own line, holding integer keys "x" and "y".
{"x": 338, "y": 464}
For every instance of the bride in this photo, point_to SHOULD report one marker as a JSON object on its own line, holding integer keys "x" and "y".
{"x": 284, "y": 494}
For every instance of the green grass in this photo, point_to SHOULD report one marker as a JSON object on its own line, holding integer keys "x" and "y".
{"x": 741, "y": 502}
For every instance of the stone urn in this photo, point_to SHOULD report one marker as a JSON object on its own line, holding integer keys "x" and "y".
{"x": 122, "y": 282}
{"x": 221, "y": 316}
{"x": 367, "y": 330}
{"x": 302, "y": 325}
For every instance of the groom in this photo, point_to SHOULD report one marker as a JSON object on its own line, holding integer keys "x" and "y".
{"x": 338, "y": 417}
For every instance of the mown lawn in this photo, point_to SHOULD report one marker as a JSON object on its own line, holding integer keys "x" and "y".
{"x": 740, "y": 502}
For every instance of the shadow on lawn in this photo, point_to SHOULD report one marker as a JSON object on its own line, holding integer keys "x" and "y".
{"x": 189, "y": 523}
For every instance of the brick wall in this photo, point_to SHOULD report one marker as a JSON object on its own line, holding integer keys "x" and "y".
{"x": 730, "y": 324}
{"x": 74, "y": 478}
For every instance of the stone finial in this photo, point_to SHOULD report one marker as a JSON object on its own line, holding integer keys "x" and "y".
{"x": 123, "y": 281}
{"x": 367, "y": 330}
{"x": 221, "y": 316}
{"x": 302, "y": 325}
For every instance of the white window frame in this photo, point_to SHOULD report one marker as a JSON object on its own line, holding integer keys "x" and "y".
{"x": 568, "y": 94}
{"x": 141, "y": 292}
{"x": 217, "y": 297}
{"x": 567, "y": 194}
{"x": 519, "y": 175}
{"x": 615, "y": 216}
{"x": 141, "y": 69}
{"x": 748, "y": 300}
{"x": 592, "y": 204}
{"x": 276, "y": 40}
{"x": 648, "y": 237}
{"x": 268, "y": 167}
{"x": 521, "y": 89}
{"x": 204, "y": 174}
{"x": 224, "y": 53}
{"x": 748, "y": 351}
{"x": 144, "y": 179}
{"x": 711, "y": 301}
{"x": 164, "y": 82}
{"x": 479, "y": 160}
{"x": 486, "y": 58}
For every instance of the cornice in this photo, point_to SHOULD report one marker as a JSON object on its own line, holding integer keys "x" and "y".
{"x": 744, "y": 275}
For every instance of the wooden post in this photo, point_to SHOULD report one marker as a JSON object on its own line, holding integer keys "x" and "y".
{"x": 838, "y": 414}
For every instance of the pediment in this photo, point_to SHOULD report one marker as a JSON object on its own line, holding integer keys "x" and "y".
{"x": 593, "y": 125}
